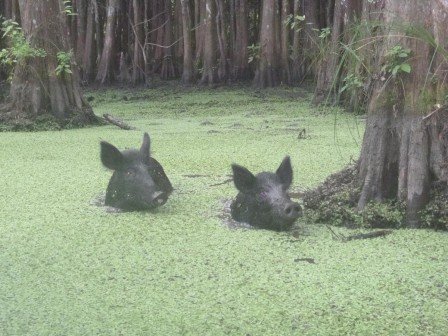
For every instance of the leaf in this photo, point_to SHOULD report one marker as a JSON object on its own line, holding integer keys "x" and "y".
{"x": 405, "y": 67}
{"x": 343, "y": 88}
{"x": 395, "y": 70}
{"x": 7, "y": 30}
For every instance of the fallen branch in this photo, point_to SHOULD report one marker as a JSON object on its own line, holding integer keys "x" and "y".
{"x": 117, "y": 122}
{"x": 439, "y": 108}
{"x": 369, "y": 235}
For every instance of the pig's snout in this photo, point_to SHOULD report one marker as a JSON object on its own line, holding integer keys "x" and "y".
{"x": 292, "y": 210}
{"x": 159, "y": 198}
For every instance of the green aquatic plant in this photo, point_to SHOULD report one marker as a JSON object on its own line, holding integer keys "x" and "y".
{"x": 71, "y": 267}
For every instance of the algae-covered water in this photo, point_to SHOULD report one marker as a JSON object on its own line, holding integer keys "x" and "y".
{"x": 71, "y": 267}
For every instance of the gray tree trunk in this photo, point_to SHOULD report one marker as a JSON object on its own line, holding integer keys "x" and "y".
{"x": 36, "y": 89}
{"x": 188, "y": 66}
{"x": 403, "y": 151}
{"x": 266, "y": 74}
{"x": 106, "y": 65}
{"x": 209, "y": 71}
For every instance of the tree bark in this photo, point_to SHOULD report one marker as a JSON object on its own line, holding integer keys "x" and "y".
{"x": 209, "y": 73}
{"x": 310, "y": 49}
{"x": 297, "y": 70}
{"x": 168, "y": 70}
{"x": 328, "y": 72}
{"x": 266, "y": 74}
{"x": 240, "y": 70}
{"x": 199, "y": 14}
{"x": 80, "y": 8}
{"x": 285, "y": 73}
{"x": 99, "y": 22}
{"x": 138, "y": 64}
{"x": 221, "y": 24}
{"x": 188, "y": 66}
{"x": 89, "y": 56}
{"x": 106, "y": 65}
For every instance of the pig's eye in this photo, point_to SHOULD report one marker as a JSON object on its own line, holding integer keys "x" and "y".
{"x": 130, "y": 172}
{"x": 262, "y": 196}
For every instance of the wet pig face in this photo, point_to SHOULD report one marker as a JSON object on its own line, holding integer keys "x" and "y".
{"x": 138, "y": 181}
{"x": 263, "y": 200}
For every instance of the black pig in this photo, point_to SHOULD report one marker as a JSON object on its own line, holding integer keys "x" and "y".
{"x": 262, "y": 200}
{"x": 139, "y": 181}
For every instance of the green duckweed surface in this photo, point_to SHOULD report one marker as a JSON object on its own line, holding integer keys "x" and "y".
{"x": 70, "y": 267}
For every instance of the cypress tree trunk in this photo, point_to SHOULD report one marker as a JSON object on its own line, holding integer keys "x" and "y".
{"x": 285, "y": 68}
{"x": 266, "y": 74}
{"x": 36, "y": 89}
{"x": 138, "y": 66}
{"x": 240, "y": 69}
{"x": 168, "y": 69}
{"x": 88, "y": 58}
{"x": 403, "y": 151}
{"x": 188, "y": 66}
{"x": 328, "y": 73}
{"x": 106, "y": 65}
{"x": 209, "y": 74}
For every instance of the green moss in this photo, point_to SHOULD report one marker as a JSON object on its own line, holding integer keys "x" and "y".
{"x": 69, "y": 267}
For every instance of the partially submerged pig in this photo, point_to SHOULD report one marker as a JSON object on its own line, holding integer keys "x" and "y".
{"x": 139, "y": 181}
{"x": 262, "y": 200}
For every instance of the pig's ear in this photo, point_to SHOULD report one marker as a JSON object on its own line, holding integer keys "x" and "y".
{"x": 244, "y": 180}
{"x": 284, "y": 172}
{"x": 145, "y": 148}
{"x": 111, "y": 157}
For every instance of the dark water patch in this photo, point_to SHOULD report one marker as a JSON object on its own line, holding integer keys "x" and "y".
{"x": 228, "y": 180}
{"x": 99, "y": 201}
{"x": 227, "y": 220}
{"x": 196, "y": 175}
{"x": 236, "y": 125}
{"x": 308, "y": 260}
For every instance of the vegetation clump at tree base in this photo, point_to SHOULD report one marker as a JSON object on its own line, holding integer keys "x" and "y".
{"x": 10, "y": 122}
{"x": 334, "y": 202}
